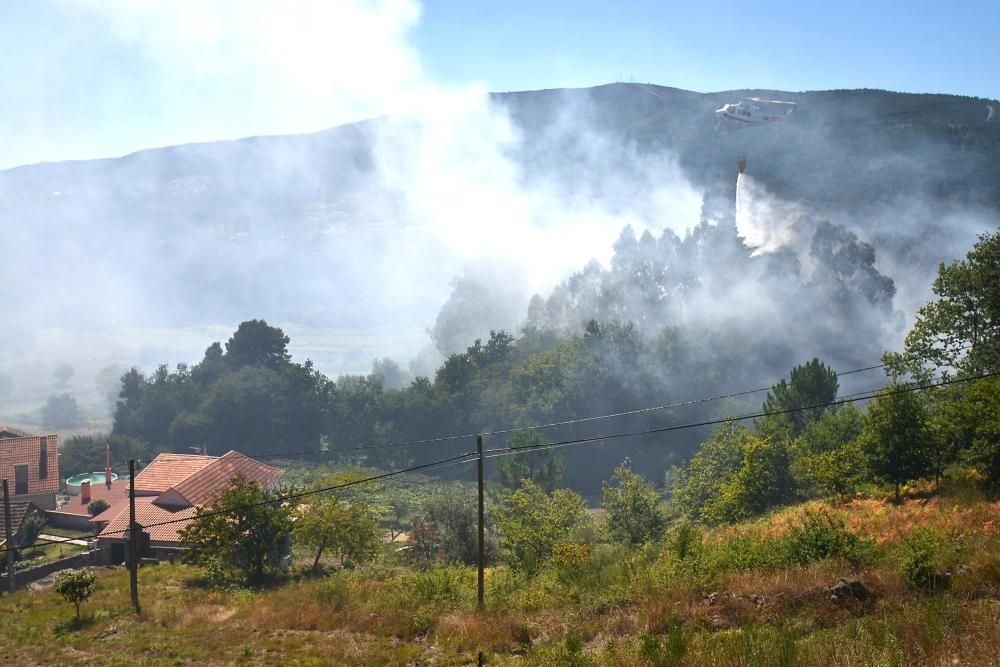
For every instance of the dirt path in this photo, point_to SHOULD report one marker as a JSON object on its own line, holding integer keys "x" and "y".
{"x": 992, "y": 112}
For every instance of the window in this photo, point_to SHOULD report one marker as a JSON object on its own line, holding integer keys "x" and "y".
{"x": 43, "y": 458}
{"x": 20, "y": 479}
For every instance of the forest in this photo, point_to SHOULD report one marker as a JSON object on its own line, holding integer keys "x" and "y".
{"x": 585, "y": 352}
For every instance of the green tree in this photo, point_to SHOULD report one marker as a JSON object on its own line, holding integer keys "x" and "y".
{"x": 827, "y": 458}
{"x": 531, "y": 523}
{"x": 455, "y": 522}
{"x": 697, "y": 485}
{"x": 255, "y": 343}
{"x": 108, "y": 382}
{"x": 895, "y": 439}
{"x": 241, "y": 535}
{"x": 61, "y": 411}
{"x": 966, "y": 421}
{"x": 813, "y": 383}
{"x": 97, "y": 506}
{"x": 633, "y": 507}
{"x": 544, "y": 468}
{"x": 762, "y": 481}
{"x": 960, "y": 329}
{"x": 343, "y": 522}
{"x": 86, "y": 453}
{"x": 76, "y": 587}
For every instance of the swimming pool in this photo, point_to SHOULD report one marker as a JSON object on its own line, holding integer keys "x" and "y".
{"x": 74, "y": 482}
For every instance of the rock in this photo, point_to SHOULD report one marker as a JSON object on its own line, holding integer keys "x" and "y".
{"x": 848, "y": 588}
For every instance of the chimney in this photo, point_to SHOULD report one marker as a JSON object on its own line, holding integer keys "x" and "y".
{"x": 85, "y": 492}
{"x": 107, "y": 465}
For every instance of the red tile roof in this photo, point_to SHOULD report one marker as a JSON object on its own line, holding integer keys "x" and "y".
{"x": 209, "y": 479}
{"x": 27, "y": 450}
{"x": 168, "y": 470}
{"x": 147, "y": 515}
{"x": 209, "y": 482}
{"x": 7, "y": 431}
{"x": 116, "y": 497}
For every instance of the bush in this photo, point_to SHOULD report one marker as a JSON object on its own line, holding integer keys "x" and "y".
{"x": 633, "y": 506}
{"x": 684, "y": 540}
{"x": 820, "y": 537}
{"x": 450, "y": 528}
{"x": 532, "y": 523}
{"x": 97, "y": 506}
{"x": 76, "y": 586}
{"x": 762, "y": 482}
{"x": 917, "y": 558}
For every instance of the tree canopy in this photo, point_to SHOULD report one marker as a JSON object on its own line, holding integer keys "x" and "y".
{"x": 960, "y": 328}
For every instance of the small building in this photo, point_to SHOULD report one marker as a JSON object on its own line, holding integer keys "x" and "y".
{"x": 168, "y": 493}
{"x": 30, "y": 464}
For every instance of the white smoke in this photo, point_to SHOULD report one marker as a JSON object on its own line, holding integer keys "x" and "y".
{"x": 461, "y": 201}
{"x": 768, "y": 224}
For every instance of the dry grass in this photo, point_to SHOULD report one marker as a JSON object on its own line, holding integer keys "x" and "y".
{"x": 633, "y": 610}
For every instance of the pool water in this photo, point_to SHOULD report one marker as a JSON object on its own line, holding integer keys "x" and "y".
{"x": 74, "y": 482}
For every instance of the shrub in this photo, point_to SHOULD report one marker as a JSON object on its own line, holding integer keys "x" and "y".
{"x": 633, "y": 506}
{"x": 763, "y": 481}
{"x": 532, "y": 523}
{"x": 76, "y": 586}
{"x": 683, "y": 540}
{"x": 821, "y": 536}
{"x": 917, "y": 558}
{"x": 97, "y": 506}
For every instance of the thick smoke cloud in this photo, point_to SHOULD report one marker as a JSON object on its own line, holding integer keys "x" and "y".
{"x": 361, "y": 230}
{"x": 414, "y": 232}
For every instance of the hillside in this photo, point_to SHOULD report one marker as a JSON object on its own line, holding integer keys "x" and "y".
{"x": 730, "y": 597}
{"x": 237, "y": 225}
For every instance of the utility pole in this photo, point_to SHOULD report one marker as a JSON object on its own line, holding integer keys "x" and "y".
{"x": 482, "y": 528}
{"x": 10, "y": 538}
{"x": 133, "y": 541}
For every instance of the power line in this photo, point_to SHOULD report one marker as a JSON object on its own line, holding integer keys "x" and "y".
{"x": 442, "y": 463}
{"x": 580, "y": 420}
{"x": 507, "y": 451}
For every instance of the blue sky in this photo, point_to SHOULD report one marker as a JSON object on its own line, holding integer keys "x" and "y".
{"x": 96, "y": 78}
{"x": 724, "y": 44}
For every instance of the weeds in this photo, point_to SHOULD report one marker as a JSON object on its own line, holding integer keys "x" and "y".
{"x": 917, "y": 559}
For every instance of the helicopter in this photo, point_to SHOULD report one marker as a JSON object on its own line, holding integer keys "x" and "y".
{"x": 752, "y": 111}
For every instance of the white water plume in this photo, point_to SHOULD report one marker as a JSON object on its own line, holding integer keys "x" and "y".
{"x": 768, "y": 224}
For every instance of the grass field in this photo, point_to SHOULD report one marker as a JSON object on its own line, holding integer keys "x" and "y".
{"x": 732, "y": 596}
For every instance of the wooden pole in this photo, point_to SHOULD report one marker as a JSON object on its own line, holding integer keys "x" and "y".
{"x": 9, "y": 533}
{"x": 480, "y": 592}
{"x": 133, "y": 541}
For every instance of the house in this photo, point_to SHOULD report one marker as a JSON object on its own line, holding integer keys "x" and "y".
{"x": 168, "y": 493}
{"x": 30, "y": 464}
{"x": 73, "y": 512}
{"x": 18, "y": 513}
